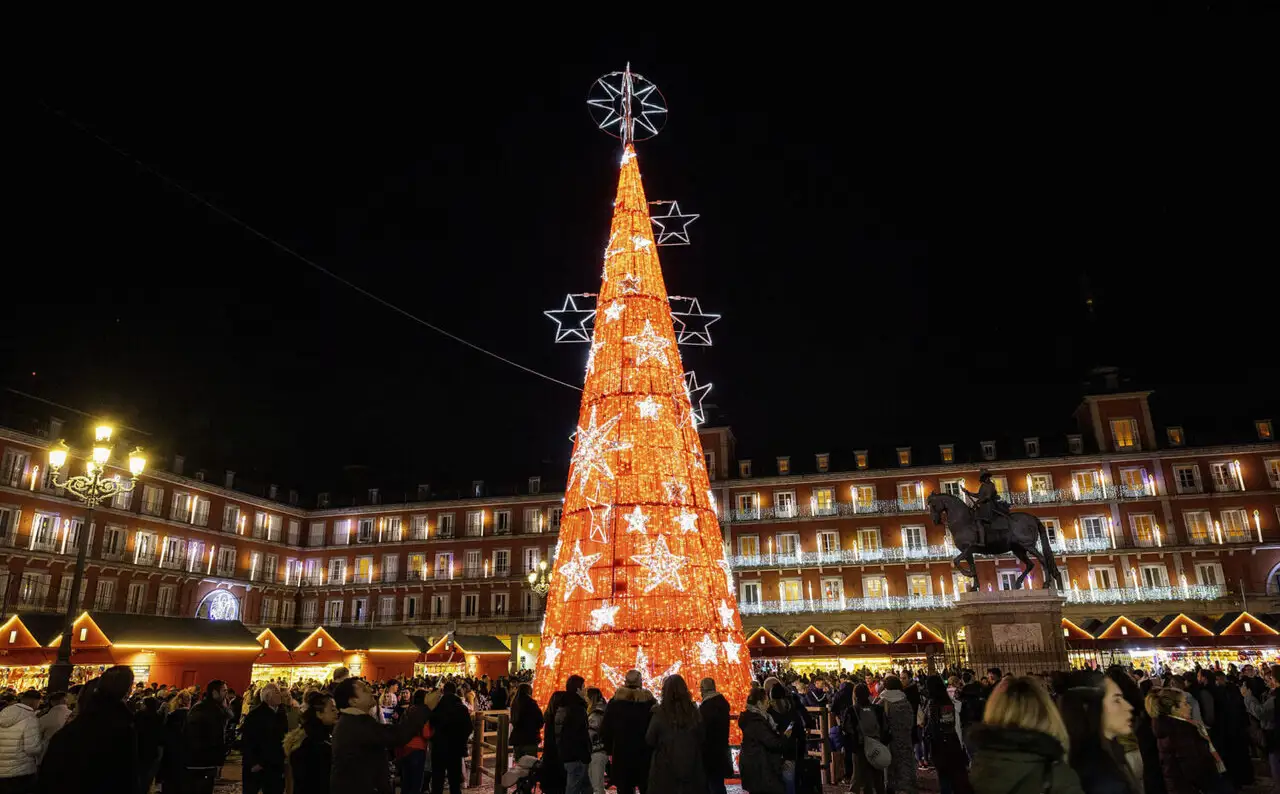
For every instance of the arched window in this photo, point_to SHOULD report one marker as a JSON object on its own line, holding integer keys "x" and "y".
{"x": 219, "y": 605}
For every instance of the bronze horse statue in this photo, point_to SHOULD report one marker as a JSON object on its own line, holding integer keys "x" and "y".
{"x": 1021, "y": 534}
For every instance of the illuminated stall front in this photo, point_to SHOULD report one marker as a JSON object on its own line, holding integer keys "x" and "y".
{"x": 462, "y": 654}
{"x": 864, "y": 648}
{"x": 1176, "y": 642}
{"x": 374, "y": 654}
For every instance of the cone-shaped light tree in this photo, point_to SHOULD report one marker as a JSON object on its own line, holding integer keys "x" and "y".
{"x": 640, "y": 578}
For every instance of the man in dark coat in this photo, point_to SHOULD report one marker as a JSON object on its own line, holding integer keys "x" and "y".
{"x": 716, "y": 760}
{"x": 450, "y": 729}
{"x": 263, "y": 744}
{"x": 360, "y": 743}
{"x": 204, "y": 739}
{"x": 97, "y": 751}
{"x": 626, "y": 721}
{"x": 573, "y": 739}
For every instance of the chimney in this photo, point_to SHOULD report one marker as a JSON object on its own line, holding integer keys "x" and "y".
{"x": 55, "y": 428}
{"x": 200, "y": 475}
{"x": 424, "y": 491}
{"x": 535, "y": 485}
{"x": 178, "y": 460}
{"x": 272, "y": 490}
{"x": 373, "y": 496}
{"x": 293, "y": 496}
{"x": 322, "y": 500}
{"x": 231, "y": 479}
{"x": 477, "y": 487}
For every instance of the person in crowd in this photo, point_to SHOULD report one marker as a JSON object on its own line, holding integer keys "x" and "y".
{"x": 1141, "y": 751}
{"x": 939, "y": 721}
{"x": 1020, "y": 747}
{"x": 450, "y": 729}
{"x": 552, "y": 779}
{"x": 54, "y": 716}
{"x": 626, "y": 722}
{"x": 262, "y": 744}
{"x": 1200, "y": 685}
{"x": 714, "y": 712}
{"x": 1189, "y": 761}
{"x": 816, "y": 695}
{"x": 309, "y": 747}
{"x": 865, "y": 720}
{"x": 389, "y": 701}
{"x": 573, "y": 738}
{"x": 171, "y": 766}
{"x": 498, "y": 697}
{"x": 526, "y": 723}
{"x": 901, "y": 720}
{"x": 1096, "y": 715}
{"x": 595, "y": 721}
{"x": 97, "y": 751}
{"x": 20, "y": 744}
{"x": 204, "y": 736}
{"x": 361, "y": 743}
{"x": 412, "y": 757}
{"x": 150, "y": 727}
{"x": 1231, "y": 732}
{"x": 763, "y": 747}
{"x": 789, "y": 719}
{"x": 676, "y": 736}
{"x": 973, "y": 700}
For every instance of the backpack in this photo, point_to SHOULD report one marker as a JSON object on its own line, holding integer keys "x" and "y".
{"x": 941, "y": 724}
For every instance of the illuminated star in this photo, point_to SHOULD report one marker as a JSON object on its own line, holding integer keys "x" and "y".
{"x": 711, "y": 497}
{"x": 641, "y": 242}
{"x": 649, "y": 345}
{"x": 603, "y": 616}
{"x": 731, "y": 650}
{"x": 693, "y": 325}
{"x": 667, "y": 223}
{"x": 592, "y": 451}
{"x": 695, "y": 394}
{"x": 629, "y": 284}
{"x": 614, "y": 311}
{"x": 726, "y": 615}
{"x": 628, "y": 156}
{"x": 578, "y": 571}
{"x": 648, "y": 407}
{"x": 728, "y": 575}
{"x": 688, "y": 521}
{"x": 572, "y": 324}
{"x": 676, "y": 490}
{"x": 591, "y": 356}
{"x": 663, "y": 566}
{"x": 637, "y": 521}
{"x": 706, "y": 650}
{"x": 600, "y": 512}
{"x": 551, "y": 653}
{"x": 653, "y": 683}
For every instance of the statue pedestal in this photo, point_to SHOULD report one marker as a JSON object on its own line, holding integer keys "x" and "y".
{"x": 1018, "y": 631}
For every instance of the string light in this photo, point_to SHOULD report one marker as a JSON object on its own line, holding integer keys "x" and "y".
{"x": 637, "y": 521}
{"x": 663, "y": 566}
{"x": 604, "y": 616}
{"x": 707, "y": 650}
{"x": 577, "y": 571}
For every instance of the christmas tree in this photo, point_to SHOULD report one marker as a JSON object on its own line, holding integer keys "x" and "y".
{"x": 640, "y": 577}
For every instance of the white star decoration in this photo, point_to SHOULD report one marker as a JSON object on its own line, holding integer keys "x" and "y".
{"x": 629, "y": 284}
{"x": 731, "y": 650}
{"x": 591, "y": 356}
{"x": 641, "y": 243}
{"x": 706, "y": 650}
{"x": 649, "y": 407}
{"x": 627, "y": 156}
{"x": 613, "y": 311}
{"x": 653, "y": 683}
{"x": 592, "y": 451}
{"x": 667, "y": 234}
{"x": 649, "y": 345}
{"x": 688, "y": 521}
{"x": 603, "y": 616}
{"x": 726, "y": 615}
{"x": 577, "y": 571}
{"x": 637, "y": 521}
{"x": 663, "y": 566}
{"x": 728, "y": 575}
{"x": 600, "y": 512}
{"x": 551, "y": 653}
{"x": 676, "y": 490}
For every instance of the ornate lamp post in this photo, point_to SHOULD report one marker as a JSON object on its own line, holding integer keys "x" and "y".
{"x": 92, "y": 488}
{"x": 540, "y": 580}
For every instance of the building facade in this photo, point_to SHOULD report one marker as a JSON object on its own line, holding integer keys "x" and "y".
{"x": 1141, "y": 522}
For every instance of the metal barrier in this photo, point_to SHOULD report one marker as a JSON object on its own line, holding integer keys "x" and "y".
{"x": 489, "y": 734}
{"x": 821, "y": 733}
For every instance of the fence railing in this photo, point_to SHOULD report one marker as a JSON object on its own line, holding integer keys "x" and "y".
{"x": 490, "y": 754}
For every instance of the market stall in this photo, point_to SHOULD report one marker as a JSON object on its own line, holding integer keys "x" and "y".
{"x": 463, "y": 654}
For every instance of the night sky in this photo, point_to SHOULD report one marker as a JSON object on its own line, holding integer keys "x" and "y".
{"x": 903, "y": 251}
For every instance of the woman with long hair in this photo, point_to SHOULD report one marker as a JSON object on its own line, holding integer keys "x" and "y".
{"x": 1188, "y": 759}
{"x": 1021, "y": 744}
{"x": 789, "y": 722}
{"x": 553, "y": 778}
{"x": 901, "y": 720}
{"x": 760, "y": 760}
{"x": 1140, "y": 747}
{"x": 97, "y": 751}
{"x": 526, "y": 723}
{"x": 675, "y": 734}
{"x": 599, "y": 758}
{"x": 865, "y": 720}
{"x": 940, "y": 723}
{"x": 175, "y": 722}
{"x": 1096, "y": 715}
{"x": 309, "y": 747}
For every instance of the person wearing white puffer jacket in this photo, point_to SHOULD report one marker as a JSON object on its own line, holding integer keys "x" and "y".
{"x": 20, "y": 745}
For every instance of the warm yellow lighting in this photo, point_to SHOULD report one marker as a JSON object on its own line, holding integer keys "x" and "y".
{"x": 102, "y": 433}
{"x": 393, "y": 650}
{"x": 101, "y": 454}
{"x": 137, "y": 462}
{"x": 58, "y": 456}
{"x": 531, "y": 577}
{"x": 149, "y": 647}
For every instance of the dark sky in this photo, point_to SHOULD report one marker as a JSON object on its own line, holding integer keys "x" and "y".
{"x": 901, "y": 247}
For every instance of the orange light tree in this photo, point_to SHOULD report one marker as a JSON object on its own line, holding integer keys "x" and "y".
{"x": 640, "y": 577}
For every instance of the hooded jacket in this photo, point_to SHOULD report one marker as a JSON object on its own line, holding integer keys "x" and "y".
{"x": 20, "y": 745}
{"x": 1017, "y": 761}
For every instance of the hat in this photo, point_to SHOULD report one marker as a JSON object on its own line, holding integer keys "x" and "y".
{"x": 633, "y": 679}
{"x": 984, "y": 474}
{"x": 30, "y": 694}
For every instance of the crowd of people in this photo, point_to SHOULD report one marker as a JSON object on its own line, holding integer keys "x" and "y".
{"x": 1079, "y": 732}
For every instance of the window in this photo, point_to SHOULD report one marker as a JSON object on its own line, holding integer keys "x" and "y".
{"x": 470, "y": 605}
{"x": 749, "y": 546}
{"x": 784, "y": 504}
{"x": 230, "y": 518}
{"x": 295, "y": 533}
{"x": 1235, "y": 526}
{"x": 874, "y": 587}
{"x": 1186, "y": 478}
{"x": 180, "y": 510}
{"x": 293, "y": 572}
{"x": 918, "y": 585}
{"x": 913, "y": 537}
{"x": 904, "y": 456}
{"x": 471, "y": 565}
{"x": 417, "y": 567}
{"x": 313, "y": 572}
{"x": 1040, "y": 487}
{"x": 947, "y": 452}
{"x": 122, "y": 500}
{"x": 1102, "y": 578}
{"x": 171, "y": 553}
{"x": 439, "y": 606}
{"x": 860, "y": 458}
{"x": 864, "y": 498}
{"x": 790, "y": 590}
{"x": 1224, "y": 474}
{"x": 1134, "y": 482}
{"x": 1154, "y": 576}
{"x": 444, "y": 565}
{"x": 1199, "y": 525}
{"x": 14, "y": 467}
{"x": 1093, "y": 528}
{"x": 411, "y": 607}
{"x": 1008, "y": 580}
{"x": 364, "y": 530}
{"x": 498, "y": 608}
{"x": 784, "y": 465}
{"x": 44, "y": 531}
{"x": 444, "y": 525}
{"x": 531, "y": 558}
{"x": 475, "y": 523}
{"x": 535, "y": 485}
{"x": 165, "y": 599}
{"x": 709, "y": 460}
{"x": 832, "y": 589}
{"x": 363, "y": 571}
{"x": 1075, "y": 444}
{"x": 988, "y": 450}
{"x": 309, "y": 612}
{"x": 359, "y": 611}
{"x": 1144, "y": 529}
{"x": 337, "y": 571}
{"x": 501, "y": 565}
{"x": 113, "y": 542}
{"x": 390, "y": 567}
{"x": 1174, "y": 434}
{"x": 333, "y": 612}
{"x": 1001, "y": 483}
{"x": 748, "y": 506}
{"x": 286, "y": 616}
{"x": 342, "y": 532}
{"x": 387, "y": 609}
{"x": 1052, "y": 529}
{"x": 152, "y": 500}
{"x": 268, "y": 609}
{"x": 105, "y": 596}
{"x": 824, "y": 502}
{"x": 272, "y": 525}
{"x": 1209, "y": 574}
{"x": 144, "y": 547}
{"x": 1124, "y": 434}
{"x": 788, "y": 544}
{"x": 1263, "y": 427}
{"x": 951, "y": 487}
{"x": 910, "y": 496}
{"x": 135, "y": 601}
{"x": 823, "y": 461}
{"x": 869, "y": 540}
{"x": 315, "y": 534}
{"x": 749, "y": 593}
{"x": 829, "y": 542}
{"x": 556, "y": 513}
{"x": 502, "y": 522}
{"x": 744, "y": 468}
{"x": 1033, "y": 447}
{"x": 418, "y": 528}
{"x": 1086, "y": 484}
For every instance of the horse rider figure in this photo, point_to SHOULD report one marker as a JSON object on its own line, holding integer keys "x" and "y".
{"x": 986, "y": 504}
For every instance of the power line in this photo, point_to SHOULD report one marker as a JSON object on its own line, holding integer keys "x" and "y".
{"x": 291, "y": 252}
{"x": 69, "y": 408}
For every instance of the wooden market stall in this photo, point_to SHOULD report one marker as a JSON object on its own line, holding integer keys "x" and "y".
{"x": 466, "y": 654}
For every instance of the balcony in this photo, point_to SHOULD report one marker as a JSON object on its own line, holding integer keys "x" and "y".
{"x": 943, "y": 551}
{"x": 1132, "y": 595}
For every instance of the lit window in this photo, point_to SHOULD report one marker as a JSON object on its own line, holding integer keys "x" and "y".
{"x": 744, "y": 468}
{"x": 1263, "y": 426}
{"x": 1175, "y": 436}
{"x": 784, "y": 465}
{"x": 904, "y": 456}
{"x": 1124, "y": 433}
{"x": 948, "y": 452}
{"x": 860, "y": 458}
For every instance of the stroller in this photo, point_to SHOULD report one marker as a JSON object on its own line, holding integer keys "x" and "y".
{"x": 525, "y": 775}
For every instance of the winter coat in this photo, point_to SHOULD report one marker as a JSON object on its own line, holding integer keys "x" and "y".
{"x": 1185, "y": 758}
{"x": 1152, "y": 781}
{"x": 52, "y": 721}
{"x": 816, "y": 697}
{"x": 626, "y": 723}
{"x": 1017, "y": 761}
{"x": 1107, "y": 772}
{"x": 901, "y": 718}
{"x": 360, "y": 745}
{"x": 96, "y": 753}
{"x": 498, "y": 701}
{"x": 716, "y": 760}
{"x": 150, "y": 728}
{"x": 973, "y": 702}
{"x": 204, "y": 737}
{"x": 1232, "y": 734}
{"x": 20, "y": 745}
{"x": 760, "y": 762}
{"x": 572, "y": 737}
{"x": 595, "y": 720}
{"x": 262, "y": 739}
{"x": 450, "y": 728}
{"x": 171, "y": 762}
{"x": 793, "y": 717}
{"x": 310, "y": 755}
{"x": 852, "y": 727}
{"x": 526, "y": 727}
{"x": 676, "y": 767}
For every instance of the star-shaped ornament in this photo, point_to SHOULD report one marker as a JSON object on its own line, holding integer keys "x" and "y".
{"x": 641, "y": 243}
{"x": 613, "y": 311}
{"x": 663, "y": 566}
{"x": 603, "y": 616}
{"x": 592, "y": 451}
{"x": 551, "y": 653}
{"x": 573, "y": 324}
{"x": 649, "y": 407}
{"x": 726, "y": 615}
{"x": 731, "y": 650}
{"x": 653, "y": 683}
{"x": 676, "y": 491}
{"x": 673, "y": 225}
{"x": 649, "y": 345}
{"x": 693, "y": 325}
{"x": 637, "y": 521}
{"x": 577, "y": 571}
{"x": 688, "y": 521}
{"x": 600, "y": 512}
{"x": 591, "y": 356}
{"x": 629, "y": 284}
{"x": 707, "y": 649}
{"x": 728, "y": 575}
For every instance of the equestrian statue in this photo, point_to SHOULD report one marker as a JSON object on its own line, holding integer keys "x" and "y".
{"x": 990, "y": 528}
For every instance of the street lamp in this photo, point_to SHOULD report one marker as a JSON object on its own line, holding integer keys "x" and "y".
{"x": 540, "y": 580}
{"x": 93, "y": 487}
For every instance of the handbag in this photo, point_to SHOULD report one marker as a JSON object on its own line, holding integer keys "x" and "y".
{"x": 877, "y": 753}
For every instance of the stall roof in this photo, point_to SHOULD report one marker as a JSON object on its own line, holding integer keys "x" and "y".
{"x": 289, "y": 638}
{"x": 352, "y": 639}
{"x": 44, "y": 626}
{"x": 1197, "y": 626}
{"x": 122, "y": 629}
{"x": 480, "y": 643}
{"x": 1236, "y": 624}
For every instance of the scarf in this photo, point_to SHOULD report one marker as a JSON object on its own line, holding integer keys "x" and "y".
{"x": 1204, "y": 734}
{"x": 763, "y": 712}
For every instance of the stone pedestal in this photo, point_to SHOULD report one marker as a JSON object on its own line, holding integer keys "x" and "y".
{"x": 1018, "y": 631}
